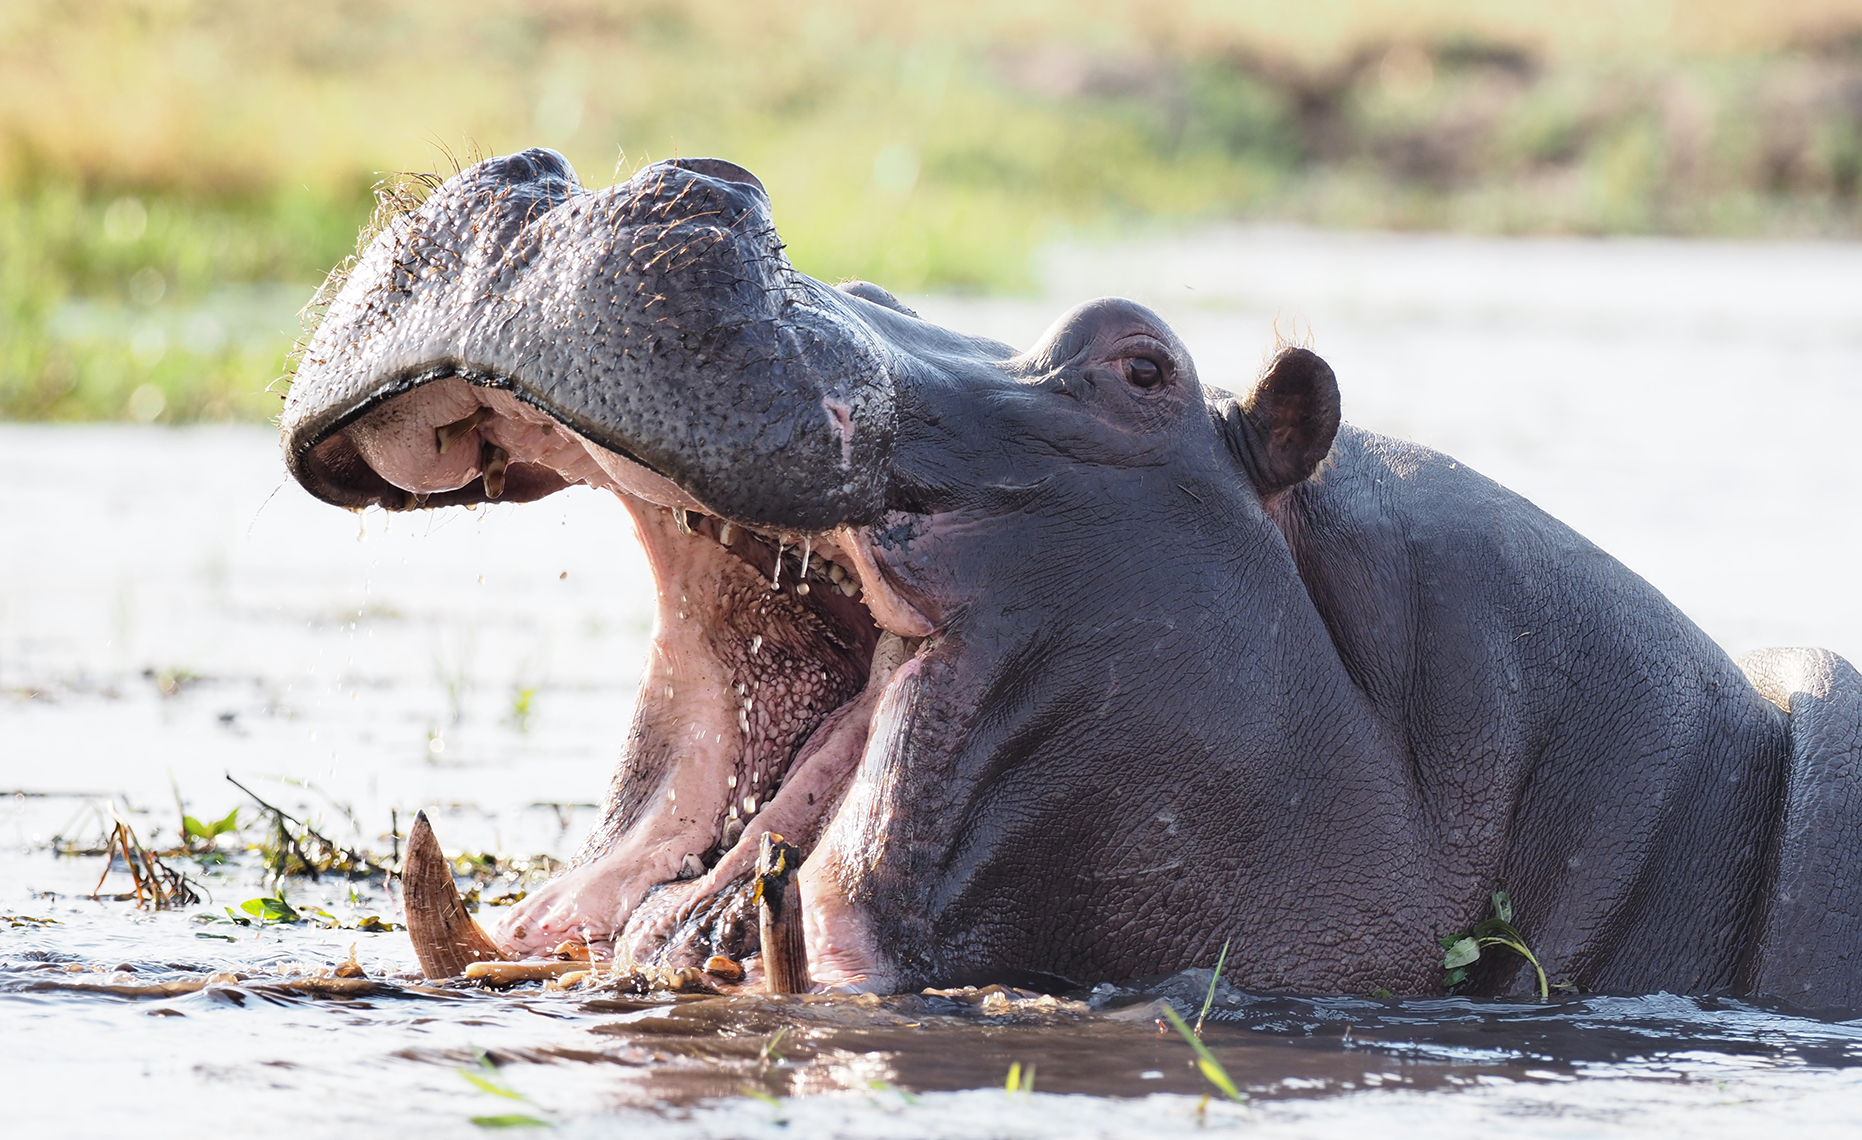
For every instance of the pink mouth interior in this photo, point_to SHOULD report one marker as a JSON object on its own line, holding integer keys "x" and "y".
{"x": 770, "y": 654}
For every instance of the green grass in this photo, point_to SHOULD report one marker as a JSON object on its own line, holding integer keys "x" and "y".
{"x": 177, "y": 177}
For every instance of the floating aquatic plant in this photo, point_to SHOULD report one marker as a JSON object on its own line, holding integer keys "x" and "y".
{"x": 1019, "y": 1080}
{"x": 1459, "y": 951}
{"x": 1209, "y": 998}
{"x": 156, "y": 885}
{"x": 485, "y": 1079}
{"x": 1210, "y": 1068}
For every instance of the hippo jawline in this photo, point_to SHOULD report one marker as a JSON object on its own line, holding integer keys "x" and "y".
{"x": 769, "y": 658}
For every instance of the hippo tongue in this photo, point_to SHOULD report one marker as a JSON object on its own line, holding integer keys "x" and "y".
{"x": 446, "y": 939}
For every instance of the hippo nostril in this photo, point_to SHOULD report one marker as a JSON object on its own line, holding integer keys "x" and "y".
{"x": 542, "y": 162}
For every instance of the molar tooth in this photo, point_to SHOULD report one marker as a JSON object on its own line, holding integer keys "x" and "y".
{"x": 849, "y": 587}
{"x": 733, "y": 831}
{"x": 835, "y": 573}
{"x": 691, "y": 866}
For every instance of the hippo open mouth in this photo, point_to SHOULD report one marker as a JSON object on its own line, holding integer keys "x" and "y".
{"x": 770, "y": 661}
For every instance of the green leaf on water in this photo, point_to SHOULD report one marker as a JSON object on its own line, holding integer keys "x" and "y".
{"x": 269, "y": 910}
{"x": 1454, "y": 977}
{"x": 511, "y": 1120}
{"x": 493, "y": 1087}
{"x": 1461, "y": 952}
{"x": 194, "y": 829}
{"x": 220, "y": 937}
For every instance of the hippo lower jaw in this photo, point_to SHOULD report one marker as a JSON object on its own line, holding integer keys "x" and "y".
{"x": 772, "y": 663}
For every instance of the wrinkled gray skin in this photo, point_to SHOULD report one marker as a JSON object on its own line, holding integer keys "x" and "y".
{"x": 1199, "y": 669}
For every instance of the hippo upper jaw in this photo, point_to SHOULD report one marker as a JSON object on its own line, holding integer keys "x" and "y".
{"x": 656, "y": 319}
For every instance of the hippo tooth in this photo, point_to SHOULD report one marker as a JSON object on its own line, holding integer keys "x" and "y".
{"x": 725, "y": 532}
{"x": 849, "y": 587}
{"x": 445, "y": 436}
{"x": 749, "y": 805}
{"x": 756, "y": 643}
{"x": 733, "y": 831}
{"x": 679, "y": 520}
{"x": 835, "y": 573}
{"x": 731, "y": 783}
{"x": 496, "y": 459}
{"x": 691, "y": 867}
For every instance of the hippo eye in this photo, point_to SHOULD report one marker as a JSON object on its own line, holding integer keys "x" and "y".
{"x": 1144, "y": 372}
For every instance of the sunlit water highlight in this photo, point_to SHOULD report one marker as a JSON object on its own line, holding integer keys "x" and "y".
{"x": 172, "y": 611}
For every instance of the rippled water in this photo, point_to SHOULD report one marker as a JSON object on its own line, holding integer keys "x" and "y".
{"x": 171, "y": 612}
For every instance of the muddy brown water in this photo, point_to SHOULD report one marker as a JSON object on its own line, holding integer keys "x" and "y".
{"x": 171, "y": 612}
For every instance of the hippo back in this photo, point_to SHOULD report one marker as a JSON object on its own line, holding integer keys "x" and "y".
{"x": 1813, "y": 917}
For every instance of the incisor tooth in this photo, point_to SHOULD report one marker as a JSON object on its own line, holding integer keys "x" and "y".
{"x": 725, "y": 531}
{"x": 448, "y": 434}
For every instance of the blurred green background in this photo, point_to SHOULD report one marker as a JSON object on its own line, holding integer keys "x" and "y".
{"x": 176, "y": 176}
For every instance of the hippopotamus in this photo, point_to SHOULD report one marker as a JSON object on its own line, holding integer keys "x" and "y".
{"x": 1058, "y": 666}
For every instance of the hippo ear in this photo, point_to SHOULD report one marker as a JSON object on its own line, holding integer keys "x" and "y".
{"x": 1282, "y": 430}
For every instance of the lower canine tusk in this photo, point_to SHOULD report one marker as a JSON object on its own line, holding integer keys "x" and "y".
{"x": 495, "y": 460}
{"x": 779, "y": 916}
{"x": 446, "y": 939}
